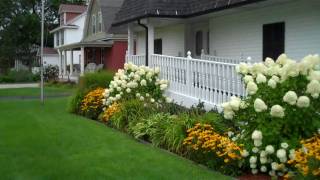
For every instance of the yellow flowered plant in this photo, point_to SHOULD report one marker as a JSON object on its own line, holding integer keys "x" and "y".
{"x": 110, "y": 111}
{"x": 310, "y": 151}
{"x": 204, "y": 138}
{"x": 92, "y": 104}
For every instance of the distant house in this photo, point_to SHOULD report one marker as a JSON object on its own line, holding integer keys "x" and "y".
{"x": 223, "y": 28}
{"x": 50, "y": 56}
{"x": 101, "y": 45}
{"x": 70, "y": 31}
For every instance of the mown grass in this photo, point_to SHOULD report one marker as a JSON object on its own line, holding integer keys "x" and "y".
{"x": 45, "y": 142}
{"x": 25, "y": 92}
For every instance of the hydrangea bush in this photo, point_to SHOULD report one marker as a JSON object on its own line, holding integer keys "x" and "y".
{"x": 282, "y": 106}
{"x": 136, "y": 82}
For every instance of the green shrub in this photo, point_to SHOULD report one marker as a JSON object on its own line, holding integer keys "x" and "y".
{"x": 19, "y": 76}
{"x": 74, "y": 104}
{"x": 51, "y": 73}
{"x": 94, "y": 80}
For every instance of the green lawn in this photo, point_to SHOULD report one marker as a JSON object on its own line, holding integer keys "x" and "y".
{"x": 34, "y": 91}
{"x": 47, "y": 143}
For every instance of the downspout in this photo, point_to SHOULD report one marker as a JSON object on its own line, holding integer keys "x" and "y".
{"x": 147, "y": 40}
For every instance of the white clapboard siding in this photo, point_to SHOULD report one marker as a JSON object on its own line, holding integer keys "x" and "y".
{"x": 194, "y": 80}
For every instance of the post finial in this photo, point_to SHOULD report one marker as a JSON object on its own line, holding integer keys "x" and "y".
{"x": 202, "y": 51}
{"x": 189, "y": 55}
{"x": 249, "y": 59}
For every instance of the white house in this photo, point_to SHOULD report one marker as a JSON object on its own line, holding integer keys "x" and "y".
{"x": 218, "y": 34}
{"x": 225, "y": 28}
{"x": 70, "y": 31}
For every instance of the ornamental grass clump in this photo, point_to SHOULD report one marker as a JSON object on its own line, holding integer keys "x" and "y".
{"x": 92, "y": 105}
{"x": 136, "y": 82}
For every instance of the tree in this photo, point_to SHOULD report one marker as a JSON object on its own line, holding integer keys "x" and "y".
{"x": 20, "y": 22}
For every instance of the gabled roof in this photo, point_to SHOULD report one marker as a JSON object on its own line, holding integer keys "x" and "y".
{"x": 132, "y": 10}
{"x": 109, "y": 9}
{"x": 72, "y": 8}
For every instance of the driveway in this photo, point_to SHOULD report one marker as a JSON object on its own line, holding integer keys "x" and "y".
{"x": 21, "y": 85}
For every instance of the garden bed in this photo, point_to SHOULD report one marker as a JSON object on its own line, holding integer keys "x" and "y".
{"x": 265, "y": 133}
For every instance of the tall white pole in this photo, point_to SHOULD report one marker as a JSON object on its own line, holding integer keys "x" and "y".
{"x": 42, "y": 38}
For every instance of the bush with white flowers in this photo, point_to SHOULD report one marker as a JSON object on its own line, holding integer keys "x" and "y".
{"x": 266, "y": 158}
{"x": 282, "y": 102}
{"x": 139, "y": 82}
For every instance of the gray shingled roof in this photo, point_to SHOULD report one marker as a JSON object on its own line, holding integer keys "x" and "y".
{"x": 109, "y": 9}
{"x": 136, "y": 9}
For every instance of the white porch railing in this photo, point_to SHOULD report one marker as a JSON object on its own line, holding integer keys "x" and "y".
{"x": 136, "y": 59}
{"x": 194, "y": 80}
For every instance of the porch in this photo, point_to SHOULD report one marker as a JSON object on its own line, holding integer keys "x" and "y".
{"x": 212, "y": 80}
{"x": 90, "y": 57}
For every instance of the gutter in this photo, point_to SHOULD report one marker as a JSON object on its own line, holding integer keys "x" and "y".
{"x": 147, "y": 40}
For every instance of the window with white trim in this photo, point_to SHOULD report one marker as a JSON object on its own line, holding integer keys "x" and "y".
{"x": 100, "y": 22}
{"x": 94, "y": 24}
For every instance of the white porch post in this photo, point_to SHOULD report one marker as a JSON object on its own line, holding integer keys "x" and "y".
{"x": 60, "y": 63}
{"x": 150, "y": 41}
{"x": 71, "y": 63}
{"x": 130, "y": 41}
{"x": 82, "y": 61}
{"x": 65, "y": 63}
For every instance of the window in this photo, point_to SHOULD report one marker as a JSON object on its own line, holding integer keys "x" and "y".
{"x": 158, "y": 46}
{"x": 94, "y": 23}
{"x": 199, "y": 43}
{"x": 273, "y": 40}
{"x": 100, "y": 22}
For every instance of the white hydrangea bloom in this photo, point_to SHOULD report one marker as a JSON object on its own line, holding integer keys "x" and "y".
{"x": 292, "y": 154}
{"x": 256, "y": 135}
{"x": 261, "y": 78}
{"x": 152, "y": 100}
{"x": 228, "y": 115}
{"x": 314, "y": 75}
{"x": 282, "y": 59}
{"x": 263, "y": 169}
{"x": 277, "y": 111}
{"x": 255, "y": 150}
{"x": 272, "y": 173}
{"x": 248, "y": 78}
{"x": 252, "y": 88}
{"x": 272, "y": 83}
{"x": 313, "y": 88}
{"x": 275, "y": 78}
{"x": 281, "y": 153}
{"x": 254, "y": 171}
{"x": 290, "y": 97}
{"x": 258, "y": 68}
{"x": 263, "y": 154}
{"x": 242, "y": 68}
{"x": 274, "y": 166}
{"x": 253, "y": 166}
{"x": 143, "y": 82}
{"x": 257, "y": 143}
{"x": 253, "y": 159}
{"x": 269, "y": 62}
{"x": 263, "y": 160}
{"x": 235, "y": 103}
{"x": 163, "y": 86}
{"x": 244, "y": 153}
{"x": 270, "y": 149}
{"x": 284, "y": 145}
{"x": 168, "y": 100}
{"x": 128, "y": 90}
{"x": 259, "y": 105}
